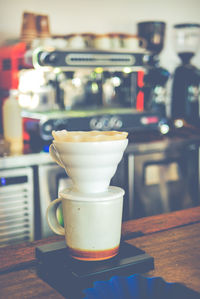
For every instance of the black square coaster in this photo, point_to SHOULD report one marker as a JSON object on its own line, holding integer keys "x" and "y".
{"x": 69, "y": 276}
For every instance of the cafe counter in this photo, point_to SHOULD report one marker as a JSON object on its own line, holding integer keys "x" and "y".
{"x": 172, "y": 239}
{"x": 36, "y": 179}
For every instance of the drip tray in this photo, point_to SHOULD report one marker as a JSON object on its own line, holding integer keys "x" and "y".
{"x": 69, "y": 276}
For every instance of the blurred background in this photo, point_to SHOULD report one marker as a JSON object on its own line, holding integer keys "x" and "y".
{"x": 102, "y": 17}
{"x": 98, "y": 65}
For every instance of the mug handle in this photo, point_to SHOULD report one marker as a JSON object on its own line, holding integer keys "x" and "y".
{"x": 143, "y": 42}
{"x": 52, "y": 219}
{"x": 54, "y": 155}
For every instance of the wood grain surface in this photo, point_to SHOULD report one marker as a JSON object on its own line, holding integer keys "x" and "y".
{"x": 176, "y": 254}
{"x": 172, "y": 239}
{"x": 22, "y": 254}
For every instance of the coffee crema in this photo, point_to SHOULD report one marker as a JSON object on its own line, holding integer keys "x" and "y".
{"x": 88, "y": 136}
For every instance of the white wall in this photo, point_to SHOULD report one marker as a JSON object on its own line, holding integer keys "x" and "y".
{"x": 102, "y": 16}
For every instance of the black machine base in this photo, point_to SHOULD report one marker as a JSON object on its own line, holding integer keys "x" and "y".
{"x": 69, "y": 276}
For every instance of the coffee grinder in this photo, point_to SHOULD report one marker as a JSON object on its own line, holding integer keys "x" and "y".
{"x": 186, "y": 77}
{"x": 156, "y": 77}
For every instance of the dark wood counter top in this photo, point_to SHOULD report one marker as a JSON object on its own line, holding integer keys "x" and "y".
{"x": 172, "y": 239}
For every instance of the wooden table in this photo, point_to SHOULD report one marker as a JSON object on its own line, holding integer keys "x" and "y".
{"x": 172, "y": 239}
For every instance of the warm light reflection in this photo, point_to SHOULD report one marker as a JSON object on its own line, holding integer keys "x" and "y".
{"x": 99, "y": 70}
{"x": 34, "y": 101}
{"x": 76, "y": 82}
{"x": 178, "y": 123}
{"x": 31, "y": 80}
{"x": 24, "y": 100}
{"x": 94, "y": 87}
{"x": 127, "y": 70}
{"x": 116, "y": 81}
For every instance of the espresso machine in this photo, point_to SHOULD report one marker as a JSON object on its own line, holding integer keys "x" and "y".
{"x": 95, "y": 90}
{"x": 186, "y": 77}
{"x": 156, "y": 77}
{"x": 78, "y": 89}
{"x": 93, "y": 79}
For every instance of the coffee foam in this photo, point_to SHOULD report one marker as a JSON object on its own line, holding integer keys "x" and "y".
{"x": 88, "y": 136}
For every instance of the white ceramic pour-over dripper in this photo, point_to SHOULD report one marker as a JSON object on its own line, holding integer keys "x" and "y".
{"x": 90, "y": 165}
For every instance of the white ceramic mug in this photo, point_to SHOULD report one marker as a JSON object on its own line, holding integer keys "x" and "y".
{"x": 76, "y": 41}
{"x": 133, "y": 42}
{"x": 92, "y": 222}
{"x": 90, "y": 165}
{"x": 102, "y": 41}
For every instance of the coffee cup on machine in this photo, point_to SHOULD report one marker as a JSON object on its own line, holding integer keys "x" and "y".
{"x": 28, "y": 28}
{"x": 92, "y": 222}
{"x": 133, "y": 42}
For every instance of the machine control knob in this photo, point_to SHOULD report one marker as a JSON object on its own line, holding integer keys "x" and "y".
{"x": 105, "y": 123}
{"x": 60, "y": 124}
{"x": 96, "y": 124}
{"x": 47, "y": 58}
{"x": 47, "y": 128}
{"x": 116, "y": 122}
